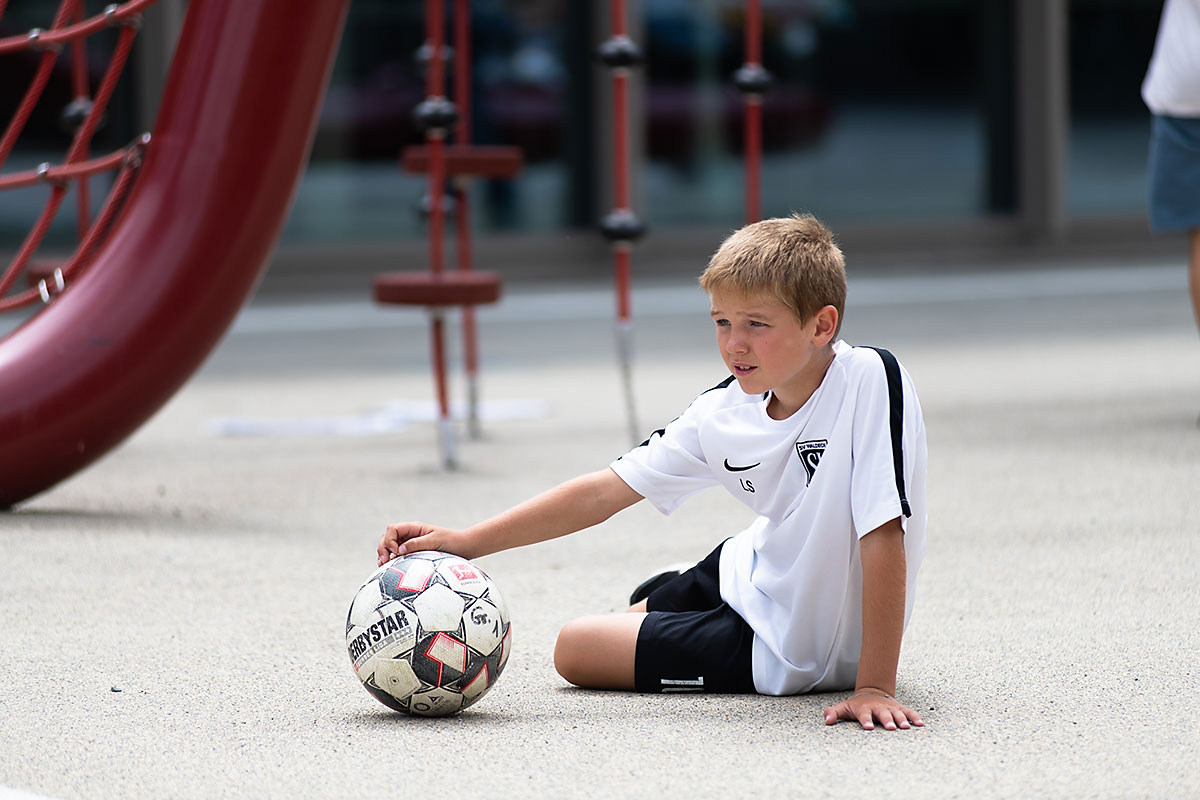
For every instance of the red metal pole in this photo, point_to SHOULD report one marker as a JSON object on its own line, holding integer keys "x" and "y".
{"x": 438, "y": 347}
{"x": 623, "y": 263}
{"x": 435, "y": 34}
{"x": 462, "y": 99}
{"x": 462, "y": 128}
{"x": 621, "y": 138}
{"x": 622, "y": 226}
{"x": 434, "y": 83}
{"x": 434, "y": 87}
{"x": 753, "y": 133}
{"x": 753, "y": 119}
{"x": 616, "y": 10}
{"x": 621, "y": 200}
{"x": 462, "y": 69}
{"x": 754, "y": 31}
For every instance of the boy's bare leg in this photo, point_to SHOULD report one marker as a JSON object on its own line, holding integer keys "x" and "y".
{"x": 598, "y": 652}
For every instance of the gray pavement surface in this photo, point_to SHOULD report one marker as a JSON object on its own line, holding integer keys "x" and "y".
{"x": 172, "y": 617}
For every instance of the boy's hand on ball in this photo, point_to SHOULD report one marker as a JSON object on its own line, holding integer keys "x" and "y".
{"x": 410, "y": 537}
{"x": 867, "y": 709}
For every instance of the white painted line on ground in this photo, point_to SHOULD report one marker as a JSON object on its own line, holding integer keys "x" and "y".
{"x": 391, "y": 418}
{"x": 8, "y": 793}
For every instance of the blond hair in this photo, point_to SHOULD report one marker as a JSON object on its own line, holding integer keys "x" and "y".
{"x": 793, "y": 260}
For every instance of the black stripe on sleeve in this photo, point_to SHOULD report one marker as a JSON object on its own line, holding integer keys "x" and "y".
{"x": 891, "y": 369}
{"x": 723, "y": 384}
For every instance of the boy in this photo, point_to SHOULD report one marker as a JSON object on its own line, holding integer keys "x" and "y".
{"x": 824, "y": 441}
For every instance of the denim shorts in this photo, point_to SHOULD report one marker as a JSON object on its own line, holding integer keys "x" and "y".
{"x": 1174, "y": 173}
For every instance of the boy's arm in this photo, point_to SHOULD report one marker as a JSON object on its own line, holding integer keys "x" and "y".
{"x": 884, "y": 574}
{"x": 572, "y": 506}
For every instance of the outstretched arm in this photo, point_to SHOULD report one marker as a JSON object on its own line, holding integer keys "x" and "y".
{"x": 884, "y": 576}
{"x": 572, "y": 506}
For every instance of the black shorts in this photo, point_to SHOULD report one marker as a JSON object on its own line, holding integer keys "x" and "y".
{"x": 692, "y": 641}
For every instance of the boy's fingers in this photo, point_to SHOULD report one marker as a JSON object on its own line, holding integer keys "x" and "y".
{"x": 905, "y": 716}
{"x": 389, "y": 543}
{"x": 835, "y": 714}
{"x": 889, "y": 718}
{"x": 388, "y": 551}
{"x": 415, "y": 544}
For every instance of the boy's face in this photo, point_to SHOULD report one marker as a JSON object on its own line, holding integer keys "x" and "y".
{"x": 768, "y": 350}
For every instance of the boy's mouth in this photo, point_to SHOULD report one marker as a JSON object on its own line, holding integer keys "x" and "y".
{"x": 742, "y": 370}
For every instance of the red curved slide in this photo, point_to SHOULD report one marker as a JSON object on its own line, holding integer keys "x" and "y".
{"x": 231, "y": 141}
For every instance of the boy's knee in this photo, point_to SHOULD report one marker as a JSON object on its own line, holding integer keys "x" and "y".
{"x": 568, "y": 660}
{"x": 598, "y": 652}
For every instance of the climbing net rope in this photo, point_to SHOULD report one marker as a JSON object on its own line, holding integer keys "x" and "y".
{"x": 69, "y": 30}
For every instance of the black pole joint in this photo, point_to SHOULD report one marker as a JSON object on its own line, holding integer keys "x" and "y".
{"x": 622, "y": 225}
{"x": 619, "y": 52}
{"x": 435, "y": 113}
{"x": 752, "y": 79}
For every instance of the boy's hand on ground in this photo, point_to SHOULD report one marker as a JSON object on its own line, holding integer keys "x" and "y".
{"x": 867, "y": 709}
{"x": 410, "y": 537}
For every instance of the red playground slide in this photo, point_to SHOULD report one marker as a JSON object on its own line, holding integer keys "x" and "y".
{"x": 231, "y": 140}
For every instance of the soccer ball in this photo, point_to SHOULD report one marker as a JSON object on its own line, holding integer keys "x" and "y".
{"x": 428, "y": 634}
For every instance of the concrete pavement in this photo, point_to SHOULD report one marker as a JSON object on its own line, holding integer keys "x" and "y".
{"x": 173, "y": 616}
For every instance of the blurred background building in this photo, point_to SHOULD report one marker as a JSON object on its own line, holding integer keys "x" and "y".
{"x": 922, "y": 131}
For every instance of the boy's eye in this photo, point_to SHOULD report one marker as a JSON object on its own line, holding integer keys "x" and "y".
{"x": 756, "y": 324}
{"x": 721, "y": 322}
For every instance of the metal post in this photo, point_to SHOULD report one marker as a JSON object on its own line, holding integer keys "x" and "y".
{"x": 752, "y": 81}
{"x": 439, "y": 114}
{"x": 462, "y": 205}
{"x": 1043, "y": 116}
{"x": 621, "y": 226}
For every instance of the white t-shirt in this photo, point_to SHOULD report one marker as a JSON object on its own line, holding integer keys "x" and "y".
{"x": 818, "y": 480}
{"x": 1172, "y": 84}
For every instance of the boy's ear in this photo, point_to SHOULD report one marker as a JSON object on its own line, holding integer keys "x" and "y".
{"x": 827, "y": 322}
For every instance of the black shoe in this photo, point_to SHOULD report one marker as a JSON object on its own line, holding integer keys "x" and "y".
{"x": 656, "y": 580}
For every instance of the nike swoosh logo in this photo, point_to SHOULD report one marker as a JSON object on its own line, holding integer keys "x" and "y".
{"x": 732, "y": 468}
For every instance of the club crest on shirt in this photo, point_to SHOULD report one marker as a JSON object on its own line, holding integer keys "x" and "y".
{"x": 810, "y": 453}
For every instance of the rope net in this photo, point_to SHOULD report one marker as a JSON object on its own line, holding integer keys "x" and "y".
{"x": 69, "y": 31}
